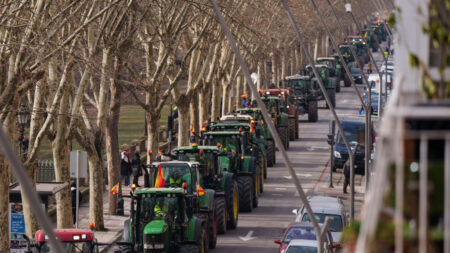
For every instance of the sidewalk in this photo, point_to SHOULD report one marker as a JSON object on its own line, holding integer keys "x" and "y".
{"x": 322, "y": 186}
{"x": 113, "y": 223}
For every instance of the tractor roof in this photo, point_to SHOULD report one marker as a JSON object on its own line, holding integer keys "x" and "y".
{"x": 276, "y": 91}
{"x": 175, "y": 162}
{"x": 248, "y": 109}
{"x": 297, "y": 77}
{"x": 223, "y": 133}
{"x": 237, "y": 117}
{"x": 67, "y": 235}
{"x": 177, "y": 190}
{"x": 326, "y": 59}
{"x": 191, "y": 148}
{"x": 317, "y": 66}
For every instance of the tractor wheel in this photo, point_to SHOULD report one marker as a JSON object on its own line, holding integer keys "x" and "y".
{"x": 313, "y": 114}
{"x": 347, "y": 81}
{"x": 262, "y": 168}
{"x": 232, "y": 201}
{"x": 221, "y": 213}
{"x": 338, "y": 84}
{"x": 332, "y": 96}
{"x": 283, "y": 136}
{"x": 287, "y": 137}
{"x": 291, "y": 129}
{"x": 270, "y": 153}
{"x": 246, "y": 190}
{"x": 189, "y": 248}
{"x": 212, "y": 228}
{"x": 256, "y": 185}
{"x": 297, "y": 127}
{"x": 204, "y": 241}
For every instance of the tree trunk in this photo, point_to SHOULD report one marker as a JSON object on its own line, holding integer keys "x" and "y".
{"x": 327, "y": 46}
{"x": 238, "y": 91}
{"x": 316, "y": 48}
{"x": 4, "y": 205}
{"x": 112, "y": 140}
{"x": 61, "y": 154}
{"x": 96, "y": 188}
{"x": 194, "y": 113}
{"x": 204, "y": 104}
{"x": 283, "y": 69}
{"x": 259, "y": 72}
{"x": 153, "y": 134}
{"x": 216, "y": 100}
{"x": 225, "y": 98}
{"x": 183, "y": 123}
{"x": 297, "y": 60}
{"x": 274, "y": 69}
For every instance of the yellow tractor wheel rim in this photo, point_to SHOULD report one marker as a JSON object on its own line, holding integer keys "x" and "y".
{"x": 235, "y": 204}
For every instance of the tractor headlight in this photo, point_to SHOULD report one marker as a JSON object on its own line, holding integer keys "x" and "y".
{"x": 337, "y": 154}
{"x": 153, "y": 246}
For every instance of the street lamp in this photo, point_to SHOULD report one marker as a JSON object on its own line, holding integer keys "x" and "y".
{"x": 22, "y": 119}
{"x": 348, "y": 7}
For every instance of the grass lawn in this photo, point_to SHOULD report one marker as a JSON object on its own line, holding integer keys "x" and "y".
{"x": 131, "y": 127}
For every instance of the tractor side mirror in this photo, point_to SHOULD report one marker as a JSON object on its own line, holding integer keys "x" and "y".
{"x": 277, "y": 242}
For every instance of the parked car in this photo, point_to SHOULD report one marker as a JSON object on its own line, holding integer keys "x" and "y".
{"x": 354, "y": 130}
{"x": 390, "y": 66}
{"x": 322, "y": 207}
{"x": 304, "y": 246}
{"x": 303, "y": 231}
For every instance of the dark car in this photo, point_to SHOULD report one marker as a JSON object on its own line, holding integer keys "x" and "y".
{"x": 303, "y": 231}
{"x": 374, "y": 102}
{"x": 355, "y": 132}
{"x": 356, "y": 74}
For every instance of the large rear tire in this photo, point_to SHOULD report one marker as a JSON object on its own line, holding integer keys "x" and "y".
{"x": 256, "y": 185}
{"x": 338, "y": 84}
{"x": 291, "y": 129}
{"x": 313, "y": 114}
{"x": 347, "y": 80}
{"x": 270, "y": 153}
{"x": 246, "y": 189}
{"x": 332, "y": 95}
{"x": 232, "y": 201}
{"x": 221, "y": 214}
{"x": 212, "y": 228}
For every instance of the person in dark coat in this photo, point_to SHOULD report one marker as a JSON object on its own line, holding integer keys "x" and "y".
{"x": 136, "y": 167}
{"x": 73, "y": 191}
{"x": 125, "y": 165}
{"x": 346, "y": 175}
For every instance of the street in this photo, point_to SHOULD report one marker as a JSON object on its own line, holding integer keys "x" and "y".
{"x": 309, "y": 156}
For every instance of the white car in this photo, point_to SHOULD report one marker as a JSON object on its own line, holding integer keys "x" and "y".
{"x": 304, "y": 246}
{"x": 390, "y": 66}
{"x": 322, "y": 207}
{"x": 374, "y": 81}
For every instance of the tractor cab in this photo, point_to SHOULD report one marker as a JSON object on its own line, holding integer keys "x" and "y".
{"x": 346, "y": 52}
{"x": 176, "y": 174}
{"x": 331, "y": 63}
{"x": 73, "y": 241}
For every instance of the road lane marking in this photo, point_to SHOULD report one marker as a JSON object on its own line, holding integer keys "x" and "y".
{"x": 248, "y": 237}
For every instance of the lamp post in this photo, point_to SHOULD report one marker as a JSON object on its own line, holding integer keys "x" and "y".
{"x": 23, "y": 118}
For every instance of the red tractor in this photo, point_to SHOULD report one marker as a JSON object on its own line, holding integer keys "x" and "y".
{"x": 73, "y": 240}
{"x": 290, "y": 109}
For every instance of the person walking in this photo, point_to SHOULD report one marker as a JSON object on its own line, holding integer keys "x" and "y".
{"x": 369, "y": 68}
{"x": 136, "y": 167}
{"x": 125, "y": 165}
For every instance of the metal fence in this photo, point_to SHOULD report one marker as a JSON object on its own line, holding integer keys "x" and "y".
{"x": 45, "y": 172}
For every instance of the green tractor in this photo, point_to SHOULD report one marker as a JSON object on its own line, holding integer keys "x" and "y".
{"x": 368, "y": 35}
{"x": 328, "y": 82}
{"x": 236, "y": 158}
{"x": 279, "y": 113}
{"x": 262, "y": 131}
{"x": 214, "y": 176}
{"x": 165, "y": 220}
{"x": 256, "y": 143}
{"x": 346, "y": 52}
{"x": 305, "y": 95}
{"x": 360, "y": 48}
{"x": 335, "y": 70}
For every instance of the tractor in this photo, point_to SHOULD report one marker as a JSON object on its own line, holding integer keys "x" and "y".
{"x": 279, "y": 113}
{"x": 262, "y": 131}
{"x": 328, "y": 82}
{"x": 304, "y": 95}
{"x": 368, "y": 35}
{"x": 235, "y": 156}
{"x": 165, "y": 220}
{"x": 288, "y": 103}
{"x": 214, "y": 176}
{"x": 335, "y": 70}
{"x": 73, "y": 240}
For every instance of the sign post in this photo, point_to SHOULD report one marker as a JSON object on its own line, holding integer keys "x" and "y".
{"x": 78, "y": 168}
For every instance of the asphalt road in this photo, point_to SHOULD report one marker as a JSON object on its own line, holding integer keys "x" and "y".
{"x": 309, "y": 155}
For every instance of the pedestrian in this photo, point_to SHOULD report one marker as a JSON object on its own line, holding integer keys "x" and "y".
{"x": 346, "y": 175}
{"x": 125, "y": 165}
{"x": 73, "y": 191}
{"x": 369, "y": 68}
{"x": 136, "y": 167}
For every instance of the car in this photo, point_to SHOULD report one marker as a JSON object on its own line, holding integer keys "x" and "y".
{"x": 390, "y": 66}
{"x": 325, "y": 206}
{"x": 374, "y": 102}
{"x": 374, "y": 81}
{"x": 354, "y": 130}
{"x": 303, "y": 231}
{"x": 304, "y": 246}
{"x": 356, "y": 74}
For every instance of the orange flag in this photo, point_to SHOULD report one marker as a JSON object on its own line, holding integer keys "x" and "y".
{"x": 160, "y": 182}
{"x": 200, "y": 191}
{"x": 114, "y": 189}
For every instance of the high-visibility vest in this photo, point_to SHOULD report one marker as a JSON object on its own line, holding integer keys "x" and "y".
{"x": 173, "y": 181}
{"x": 161, "y": 212}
